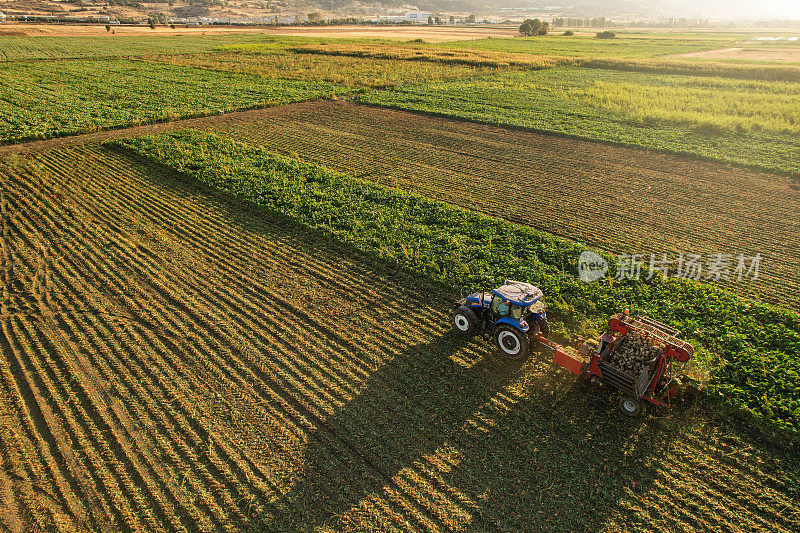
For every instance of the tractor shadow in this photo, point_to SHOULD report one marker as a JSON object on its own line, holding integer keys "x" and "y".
{"x": 526, "y": 445}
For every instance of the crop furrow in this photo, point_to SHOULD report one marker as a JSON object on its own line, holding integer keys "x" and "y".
{"x": 63, "y": 414}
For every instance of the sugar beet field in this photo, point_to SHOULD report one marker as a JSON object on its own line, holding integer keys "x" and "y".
{"x": 619, "y": 199}
{"x": 174, "y": 361}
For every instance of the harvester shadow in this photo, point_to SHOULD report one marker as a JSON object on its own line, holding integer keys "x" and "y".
{"x": 559, "y": 450}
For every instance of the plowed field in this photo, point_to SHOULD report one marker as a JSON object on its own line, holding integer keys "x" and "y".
{"x": 173, "y": 361}
{"x": 619, "y": 199}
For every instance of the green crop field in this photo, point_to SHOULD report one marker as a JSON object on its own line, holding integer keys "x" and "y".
{"x": 47, "y": 99}
{"x": 343, "y": 70}
{"x": 565, "y": 186}
{"x": 625, "y": 46}
{"x": 16, "y": 48}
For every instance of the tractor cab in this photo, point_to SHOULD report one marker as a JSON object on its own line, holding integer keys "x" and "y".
{"x": 509, "y": 313}
{"x": 518, "y": 304}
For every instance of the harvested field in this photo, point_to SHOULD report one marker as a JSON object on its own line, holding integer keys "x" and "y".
{"x": 433, "y": 34}
{"x": 176, "y": 362}
{"x": 619, "y": 199}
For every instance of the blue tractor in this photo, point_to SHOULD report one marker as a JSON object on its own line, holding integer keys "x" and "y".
{"x": 512, "y": 314}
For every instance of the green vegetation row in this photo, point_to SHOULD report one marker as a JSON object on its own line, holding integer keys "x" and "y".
{"x": 753, "y": 347}
{"x": 625, "y": 46}
{"x": 433, "y": 55}
{"x": 742, "y": 71}
{"x": 749, "y": 123}
{"x": 342, "y": 70}
{"x": 24, "y": 48}
{"x": 48, "y": 99}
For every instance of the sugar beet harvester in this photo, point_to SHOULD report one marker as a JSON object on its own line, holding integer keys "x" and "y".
{"x": 637, "y": 356}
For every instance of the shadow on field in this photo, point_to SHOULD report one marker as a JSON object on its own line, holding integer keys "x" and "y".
{"x": 446, "y": 436}
{"x": 562, "y": 457}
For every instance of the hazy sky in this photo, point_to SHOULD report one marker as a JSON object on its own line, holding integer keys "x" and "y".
{"x": 783, "y": 7}
{"x": 754, "y": 8}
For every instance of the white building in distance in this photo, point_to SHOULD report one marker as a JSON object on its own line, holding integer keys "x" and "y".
{"x": 420, "y": 17}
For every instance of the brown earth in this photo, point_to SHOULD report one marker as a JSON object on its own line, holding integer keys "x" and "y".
{"x": 173, "y": 361}
{"x": 434, "y": 34}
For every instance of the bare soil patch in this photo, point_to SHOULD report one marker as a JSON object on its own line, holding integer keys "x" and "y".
{"x": 435, "y": 34}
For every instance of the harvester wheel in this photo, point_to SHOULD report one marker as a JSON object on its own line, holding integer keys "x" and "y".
{"x": 465, "y": 320}
{"x": 630, "y": 406}
{"x": 511, "y": 342}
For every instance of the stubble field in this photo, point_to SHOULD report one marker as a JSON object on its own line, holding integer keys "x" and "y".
{"x": 174, "y": 361}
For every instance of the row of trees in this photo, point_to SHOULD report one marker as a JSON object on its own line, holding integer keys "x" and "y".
{"x": 596, "y": 22}
{"x": 471, "y": 19}
{"x": 534, "y": 27}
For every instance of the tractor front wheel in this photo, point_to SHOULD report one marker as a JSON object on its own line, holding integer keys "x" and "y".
{"x": 630, "y": 406}
{"x": 465, "y": 320}
{"x": 511, "y": 342}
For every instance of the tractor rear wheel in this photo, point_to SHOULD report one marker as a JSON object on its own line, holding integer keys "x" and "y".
{"x": 630, "y": 406}
{"x": 465, "y": 320}
{"x": 511, "y": 342}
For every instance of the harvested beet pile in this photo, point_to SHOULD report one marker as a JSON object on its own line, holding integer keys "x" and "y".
{"x": 635, "y": 351}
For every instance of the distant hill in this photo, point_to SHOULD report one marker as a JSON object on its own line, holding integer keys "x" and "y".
{"x": 232, "y": 9}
